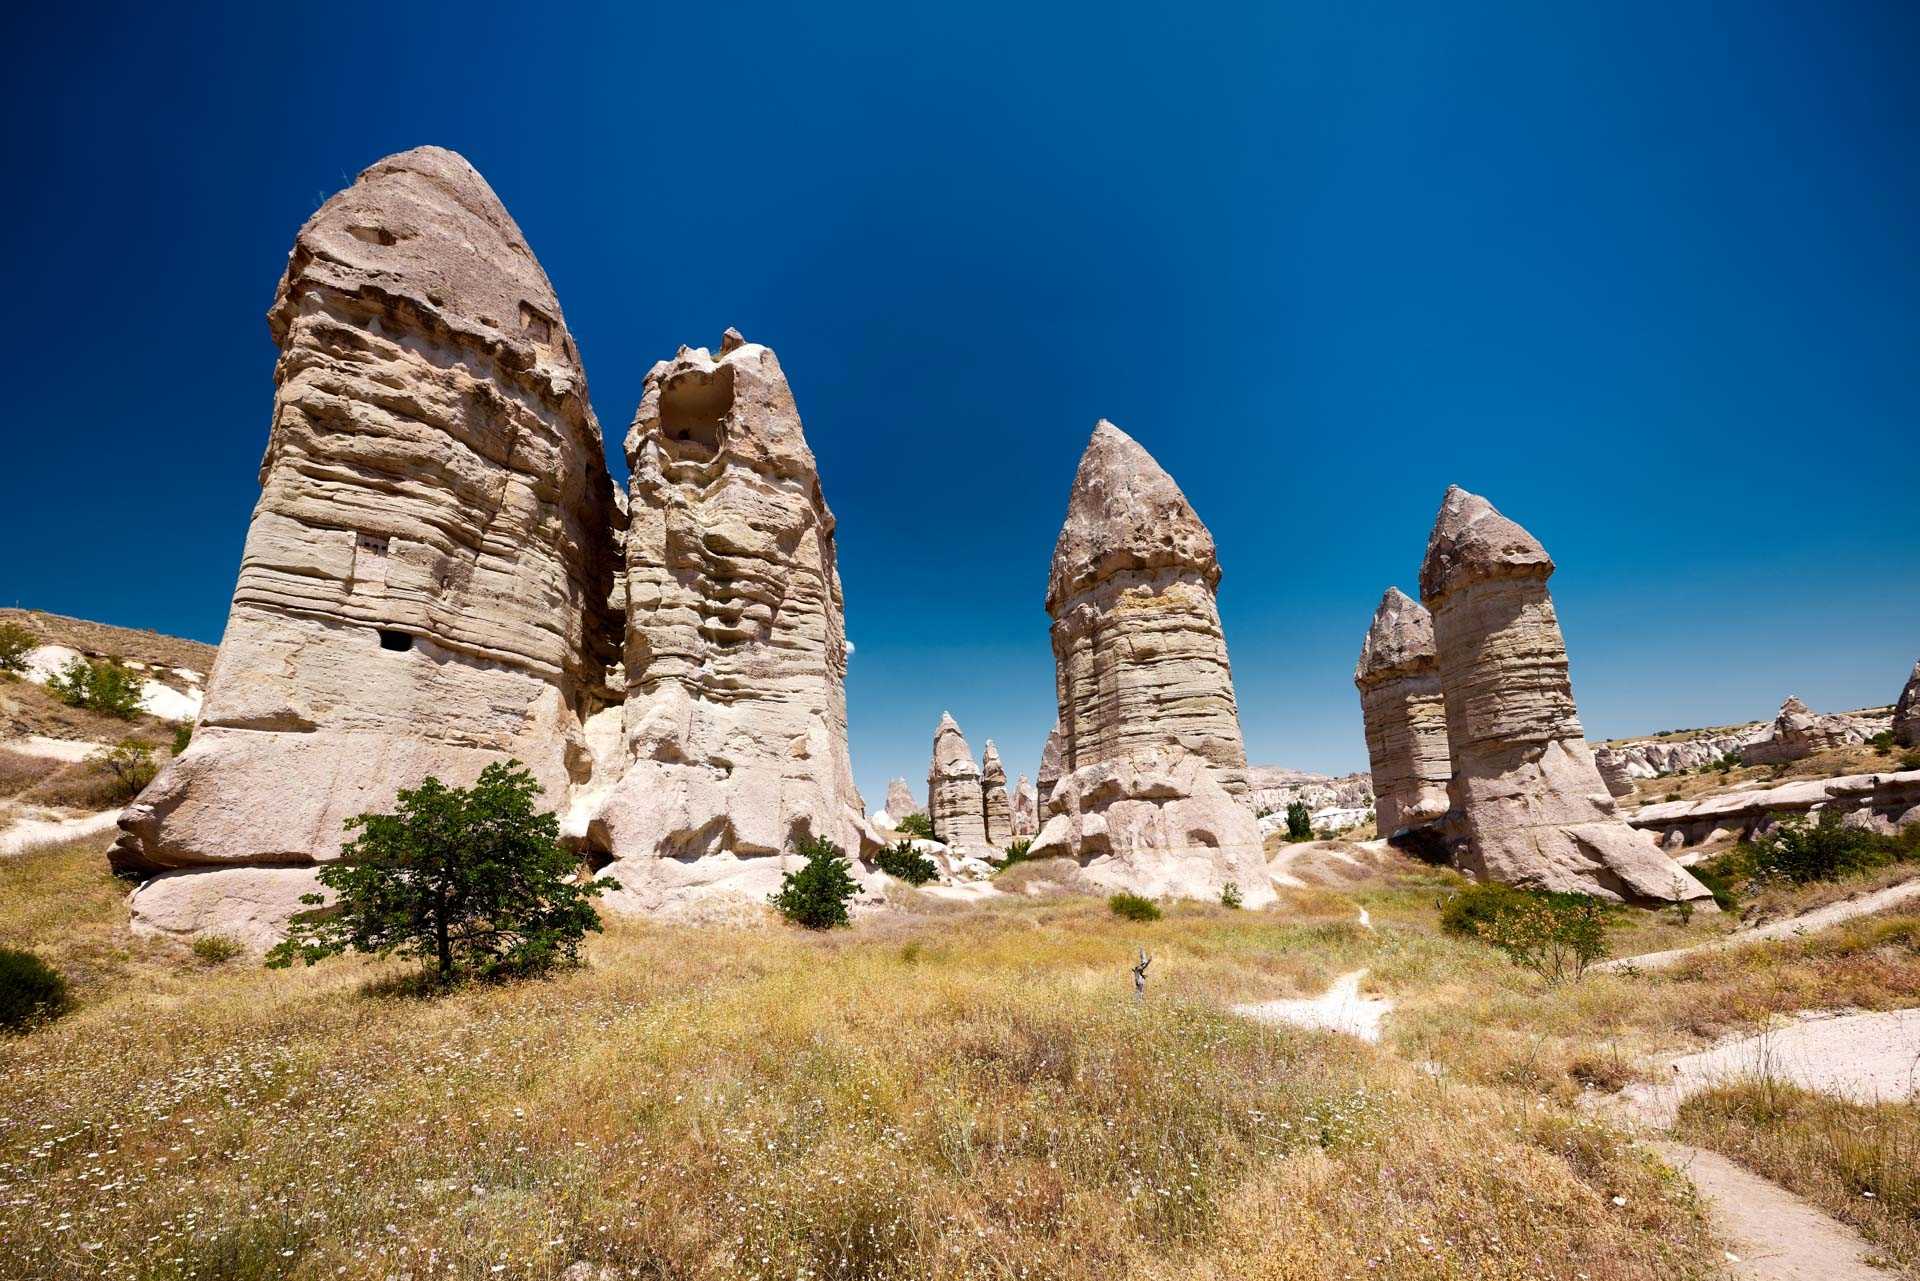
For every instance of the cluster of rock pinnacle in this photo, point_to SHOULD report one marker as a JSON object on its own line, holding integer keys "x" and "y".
{"x": 440, "y": 574}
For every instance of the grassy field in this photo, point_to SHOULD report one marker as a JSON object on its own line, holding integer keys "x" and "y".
{"x": 963, "y": 1094}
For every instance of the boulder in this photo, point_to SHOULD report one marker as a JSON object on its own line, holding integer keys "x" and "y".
{"x": 1151, "y": 763}
{"x": 954, "y": 799}
{"x": 996, "y": 808}
{"x": 1403, "y": 714}
{"x": 1535, "y": 810}
{"x": 426, "y": 582}
{"x": 732, "y": 743}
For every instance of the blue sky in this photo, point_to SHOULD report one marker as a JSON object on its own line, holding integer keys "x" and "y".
{"x": 1645, "y": 275}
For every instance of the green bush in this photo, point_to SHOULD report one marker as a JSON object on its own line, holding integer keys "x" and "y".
{"x": 1882, "y": 742}
{"x": 907, "y": 863}
{"x": 817, "y": 894}
{"x": 1719, "y": 882}
{"x": 1910, "y": 759}
{"x": 1555, "y": 935}
{"x": 1132, "y": 907}
{"x": 182, "y": 735}
{"x": 920, "y": 825}
{"x": 16, "y": 642}
{"x": 1299, "y": 822}
{"x": 106, "y": 686}
{"x": 1230, "y": 895}
{"x": 471, "y": 880}
{"x": 1016, "y": 852}
{"x": 130, "y": 763}
{"x": 30, "y": 990}
{"x": 1799, "y": 851}
{"x": 216, "y": 949}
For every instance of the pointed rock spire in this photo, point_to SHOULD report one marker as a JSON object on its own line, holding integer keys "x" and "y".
{"x": 1472, "y": 542}
{"x": 1399, "y": 641}
{"x": 1403, "y": 714}
{"x": 954, "y": 799}
{"x": 1125, "y": 512}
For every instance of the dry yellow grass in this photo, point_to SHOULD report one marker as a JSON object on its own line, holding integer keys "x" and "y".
{"x": 967, "y": 1094}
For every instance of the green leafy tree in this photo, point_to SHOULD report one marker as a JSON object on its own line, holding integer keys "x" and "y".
{"x": 1555, "y": 935}
{"x": 907, "y": 863}
{"x": 817, "y": 893}
{"x": 106, "y": 686}
{"x": 1825, "y": 850}
{"x": 16, "y": 642}
{"x": 471, "y": 880}
{"x": 1299, "y": 822}
{"x": 131, "y": 764}
{"x": 920, "y": 825}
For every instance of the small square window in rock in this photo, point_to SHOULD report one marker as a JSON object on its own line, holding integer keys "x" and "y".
{"x": 538, "y": 326}
{"x": 399, "y": 642}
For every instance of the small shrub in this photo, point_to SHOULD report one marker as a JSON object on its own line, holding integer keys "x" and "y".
{"x": 182, "y": 735}
{"x": 1719, "y": 882}
{"x": 1132, "y": 907}
{"x": 1882, "y": 742}
{"x": 16, "y": 642}
{"x": 1230, "y": 895}
{"x": 816, "y": 895}
{"x": 30, "y": 990}
{"x": 216, "y": 949}
{"x": 1799, "y": 851}
{"x": 1673, "y": 796}
{"x": 106, "y": 686}
{"x": 1555, "y": 935}
{"x": 907, "y": 863}
{"x": 1299, "y": 822}
{"x": 920, "y": 825}
{"x": 1017, "y": 851}
{"x": 130, "y": 764}
{"x": 1910, "y": 759}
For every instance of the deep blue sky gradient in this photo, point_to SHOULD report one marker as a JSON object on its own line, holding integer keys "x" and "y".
{"x": 1645, "y": 275}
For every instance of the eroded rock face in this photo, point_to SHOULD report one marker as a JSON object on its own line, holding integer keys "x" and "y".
{"x": 733, "y": 738}
{"x": 1026, "y": 808}
{"x": 996, "y": 806}
{"x": 954, "y": 801}
{"x": 1906, "y": 712}
{"x": 1404, "y": 715}
{"x": 425, "y": 583}
{"x": 1151, "y": 759}
{"x": 1536, "y": 811}
{"x": 901, "y": 800}
{"x": 1049, "y": 774}
{"x": 1798, "y": 732}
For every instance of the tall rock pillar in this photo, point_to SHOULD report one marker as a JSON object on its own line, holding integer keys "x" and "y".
{"x": 1536, "y": 810}
{"x": 1151, "y": 757}
{"x": 733, "y": 743}
{"x": 425, "y": 583}
{"x": 1404, "y": 715}
{"x": 996, "y": 806}
{"x": 954, "y": 800}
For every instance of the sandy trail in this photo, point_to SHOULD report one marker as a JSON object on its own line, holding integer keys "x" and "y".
{"x": 31, "y": 833}
{"x": 1819, "y": 918}
{"x": 71, "y": 750}
{"x": 1340, "y": 1008}
{"x": 1774, "y": 1235}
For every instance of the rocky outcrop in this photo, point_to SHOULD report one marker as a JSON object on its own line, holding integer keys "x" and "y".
{"x": 1049, "y": 774}
{"x": 1881, "y": 802}
{"x": 1906, "y": 712}
{"x": 1025, "y": 808}
{"x": 1151, "y": 758}
{"x": 901, "y": 801}
{"x": 996, "y": 807}
{"x": 1799, "y": 731}
{"x": 954, "y": 800}
{"x": 732, "y": 742}
{"x": 1404, "y": 716}
{"x": 1536, "y": 812}
{"x": 1271, "y": 788}
{"x": 1622, "y": 764}
{"x": 426, "y": 582}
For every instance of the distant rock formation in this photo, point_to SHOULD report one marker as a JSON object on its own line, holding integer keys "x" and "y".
{"x": 996, "y": 808}
{"x": 732, "y": 742}
{"x": 1622, "y": 764}
{"x": 901, "y": 801}
{"x": 426, "y": 582}
{"x": 1536, "y": 811}
{"x": 1404, "y": 715}
{"x": 1882, "y": 803}
{"x": 954, "y": 800}
{"x": 1906, "y": 712}
{"x": 1271, "y": 788}
{"x": 1049, "y": 773}
{"x": 1149, "y": 736}
{"x": 1026, "y": 809}
{"x": 1799, "y": 731}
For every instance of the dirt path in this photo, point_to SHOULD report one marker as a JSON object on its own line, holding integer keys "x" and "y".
{"x": 1818, "y": 919}
{"x": 1773, "y": 1235}
{"x": 1340, "y": 1008}
{"x": 31, "y": 833}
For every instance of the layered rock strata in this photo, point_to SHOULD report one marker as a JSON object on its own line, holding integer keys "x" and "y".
{"x": 1151, "y": 758}
{"x": 732, "y": 744}
{"x": 1404, "y": 715}
{"x": 954, "y": 800}
{"x": 1274, "y": 787}
{"x": 1906, "y": 712}
{"x": 1049, "y": 773}
{"x": 426, "y": 579}
{"x": 1881, "y": 802}
{"x": 1535, "y": 810}
{"x": 1799, "y": 731}
{"x": 996, "y": 806}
